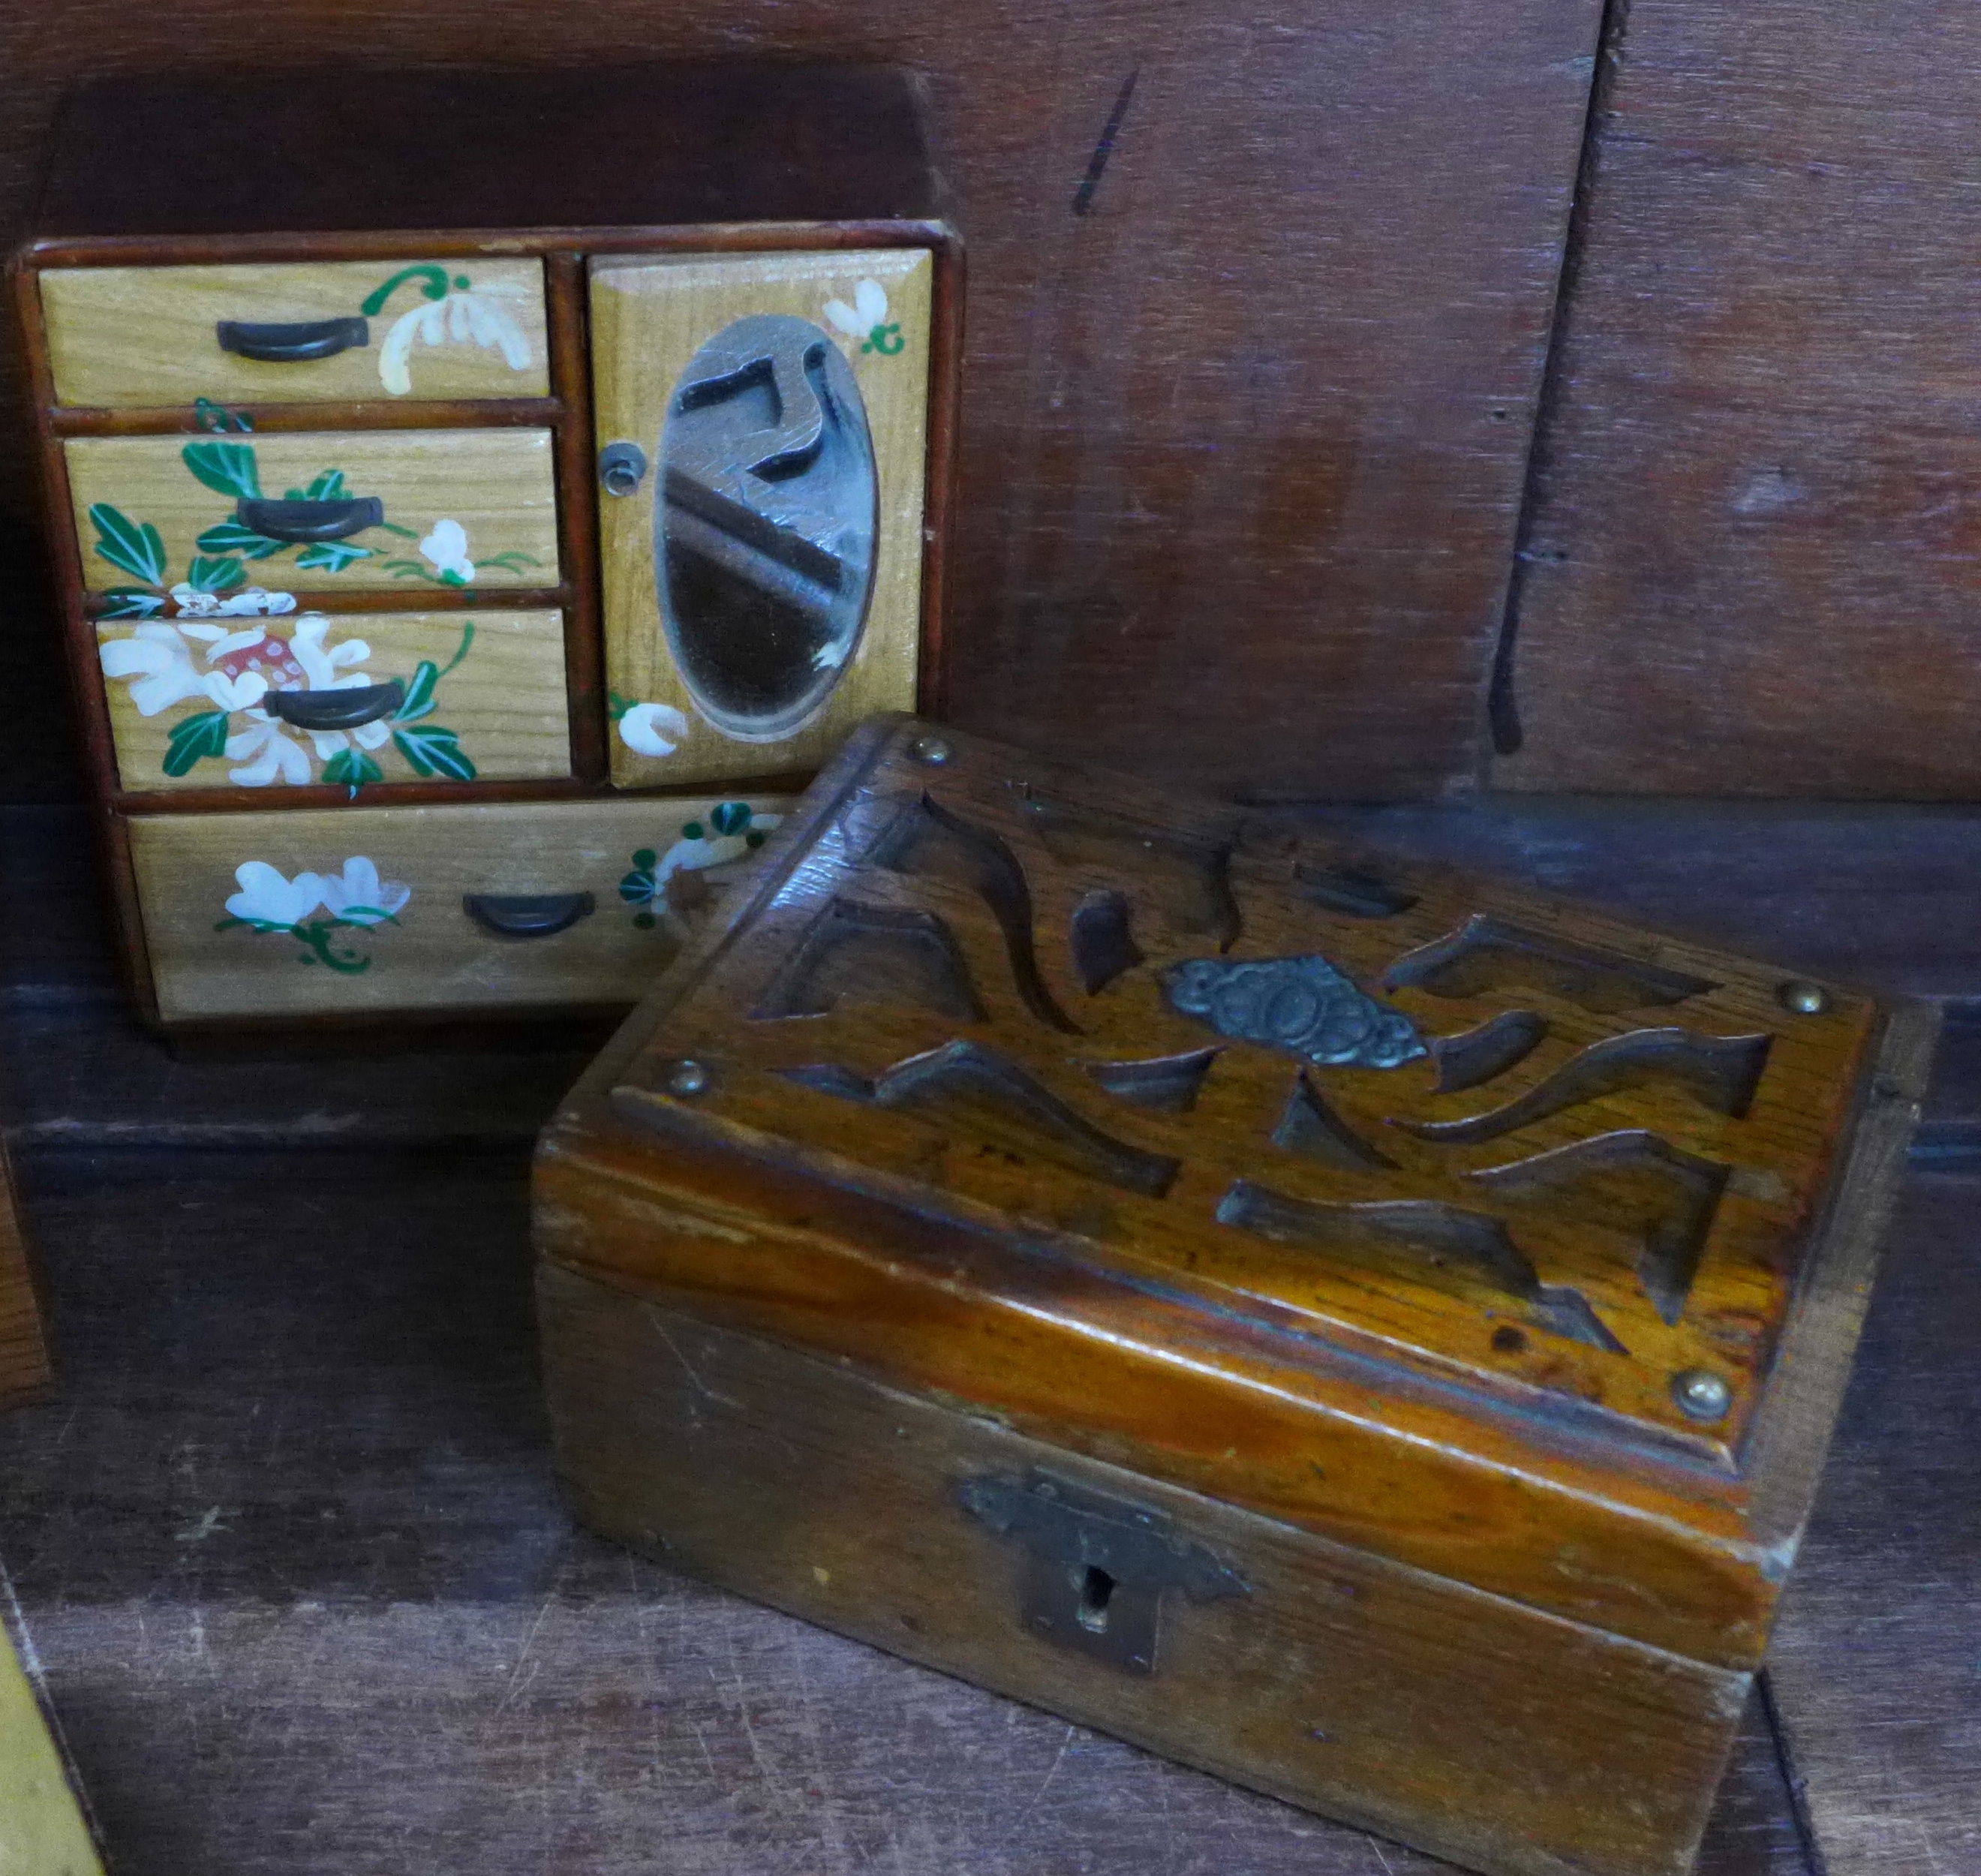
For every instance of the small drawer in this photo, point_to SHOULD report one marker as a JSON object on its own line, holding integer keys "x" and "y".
{"x": 305, "y": 333}
{"x": 197, "y": 522}
{"x": 352, "y": 699}
{"x": 343, "y": 911}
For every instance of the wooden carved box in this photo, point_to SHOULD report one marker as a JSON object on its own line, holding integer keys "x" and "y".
{"x": 1363, "y": 1332}
{"x": 479, "y": 502}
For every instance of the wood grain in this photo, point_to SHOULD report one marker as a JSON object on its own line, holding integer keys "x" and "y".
{"x": 367, "y": 1415}
{"x": 1399, "y": 1703}
{"x": 496, "y": 483}
{"x": 1873, "y": 1660}
{"x": 971, "y": 1261}
{"x": 1250, "y": 427}
{"x": 504, "y": 699}
{"x": 433, "y": 955}
{"x": 24, "y": 1360}
{"x": 41, "y": 1830}
{"x": 1750, "y": 566}
{"x": 146, "y": 335}
{"x": 649, "y": 318}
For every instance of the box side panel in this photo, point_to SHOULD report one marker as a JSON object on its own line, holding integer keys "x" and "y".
{"x": 1514, "y": 1742}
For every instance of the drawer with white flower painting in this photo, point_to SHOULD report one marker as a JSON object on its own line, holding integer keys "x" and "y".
{"x": 581, "y": 503}
{"x": 492, "y": 908}
{"x": 323, "y": 331}
{"x": 348, "y": 699}
{"x": 194, "y": 524}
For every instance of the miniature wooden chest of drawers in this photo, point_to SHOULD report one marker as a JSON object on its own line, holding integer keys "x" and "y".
{"x": 1364, "y": 1331}
{"x": 414, "y": 538}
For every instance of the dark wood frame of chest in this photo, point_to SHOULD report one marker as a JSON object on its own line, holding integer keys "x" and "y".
{"x": 1339, "y": 1427}
{"x": 732, "y": 158}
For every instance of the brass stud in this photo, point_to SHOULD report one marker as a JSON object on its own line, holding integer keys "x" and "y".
{"x": 1805, "y": 998}
{"x": 689, "y": 1078}
{"x": 1702, "y": 1394}
{"x": 934, "y": 750}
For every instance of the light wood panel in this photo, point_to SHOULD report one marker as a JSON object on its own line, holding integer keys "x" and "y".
{"x": 42, "y": 1830}
{"x": 649, "y": 319}
{"x": 498, "y": 685}
{"x": 496, "y": 485}
{"x": 431, "y": 954}
{"x": 146, "y": 335}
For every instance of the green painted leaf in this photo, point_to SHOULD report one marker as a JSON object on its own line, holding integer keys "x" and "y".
{"x": 693, "y": 830}
{"x": 730, "y": 817}
{"x": 419, "y": 694}
{"x": 139, "y": 550}
{"x": 328, "y": 486}
{"x": 215, "y": 574}
{"x": 202, "y": 734}
{"x": 331, "y": 556}
{"x": 229, "y": 468}
{"x": 646, "y": 859}
{"x": 353, "y": 768}
{"x": 229, "y": 537}
{"x": 429, "y": 750}
{"x": 132, "y": 603}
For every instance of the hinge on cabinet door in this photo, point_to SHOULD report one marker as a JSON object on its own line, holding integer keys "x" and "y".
{"x": 1096, "y": 1566}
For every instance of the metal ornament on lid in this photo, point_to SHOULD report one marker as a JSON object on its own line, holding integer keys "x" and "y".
{"x": 1304, "y": 1005}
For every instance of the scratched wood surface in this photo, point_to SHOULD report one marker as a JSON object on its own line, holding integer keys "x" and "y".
{"x": 360, "y": 1405}
{"x": 1749, "y": 565}
{"x": 1258, "y": 302}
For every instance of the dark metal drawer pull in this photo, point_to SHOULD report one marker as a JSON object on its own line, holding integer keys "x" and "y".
{"x": 527, "y": 915}
{"x": 336, "y": 710}
{"x": 294, "y": 344}
{"x": 309, "y": 520}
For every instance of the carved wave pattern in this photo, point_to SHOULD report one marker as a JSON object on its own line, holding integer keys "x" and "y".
{"x": 1629, "y": 1181}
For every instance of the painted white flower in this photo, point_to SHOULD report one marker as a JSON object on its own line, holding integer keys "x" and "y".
{"x": 250, "y": 602}
{"x": 477, "y": 314}
{"x": 159, "y": 658}
{"x": 268, "y": 898}
{"x": 266, "y": 753}
{"x": 688, "y": 855}
{"x": 161, "y": 662}
{"x": 652, "y": 729}
{"x": 445, "y": 550}
{"x": 359, "y": 897}
{"x": 867, "y": 320}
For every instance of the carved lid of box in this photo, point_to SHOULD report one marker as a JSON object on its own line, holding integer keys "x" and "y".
{"x": 1518, "y": 1243}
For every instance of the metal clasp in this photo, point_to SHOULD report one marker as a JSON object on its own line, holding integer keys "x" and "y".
{"x": 1096, "y": 1566}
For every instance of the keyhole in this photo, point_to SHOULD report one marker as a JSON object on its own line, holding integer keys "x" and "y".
{"x": 1097, "y": 1591}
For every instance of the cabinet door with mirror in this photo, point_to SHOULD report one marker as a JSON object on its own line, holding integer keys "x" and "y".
{"x": 762, "y": 423}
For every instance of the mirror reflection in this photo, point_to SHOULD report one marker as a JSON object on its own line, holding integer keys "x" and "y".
{"x": 764, "y": 529}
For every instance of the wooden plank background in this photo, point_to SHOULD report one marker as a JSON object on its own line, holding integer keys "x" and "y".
{"x": 1753, "y": 559}
{"x": 299, "y": 1444}
{"x": 1249, "y": 386}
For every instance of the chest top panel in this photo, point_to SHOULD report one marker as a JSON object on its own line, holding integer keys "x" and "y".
{"x": 1541, "y": 1153}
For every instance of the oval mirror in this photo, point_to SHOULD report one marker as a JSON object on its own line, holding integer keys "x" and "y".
{"x": 765, "y": 527}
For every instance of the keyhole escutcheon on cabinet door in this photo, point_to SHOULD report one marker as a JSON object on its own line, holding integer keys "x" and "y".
{"x": 762, "y": 424}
